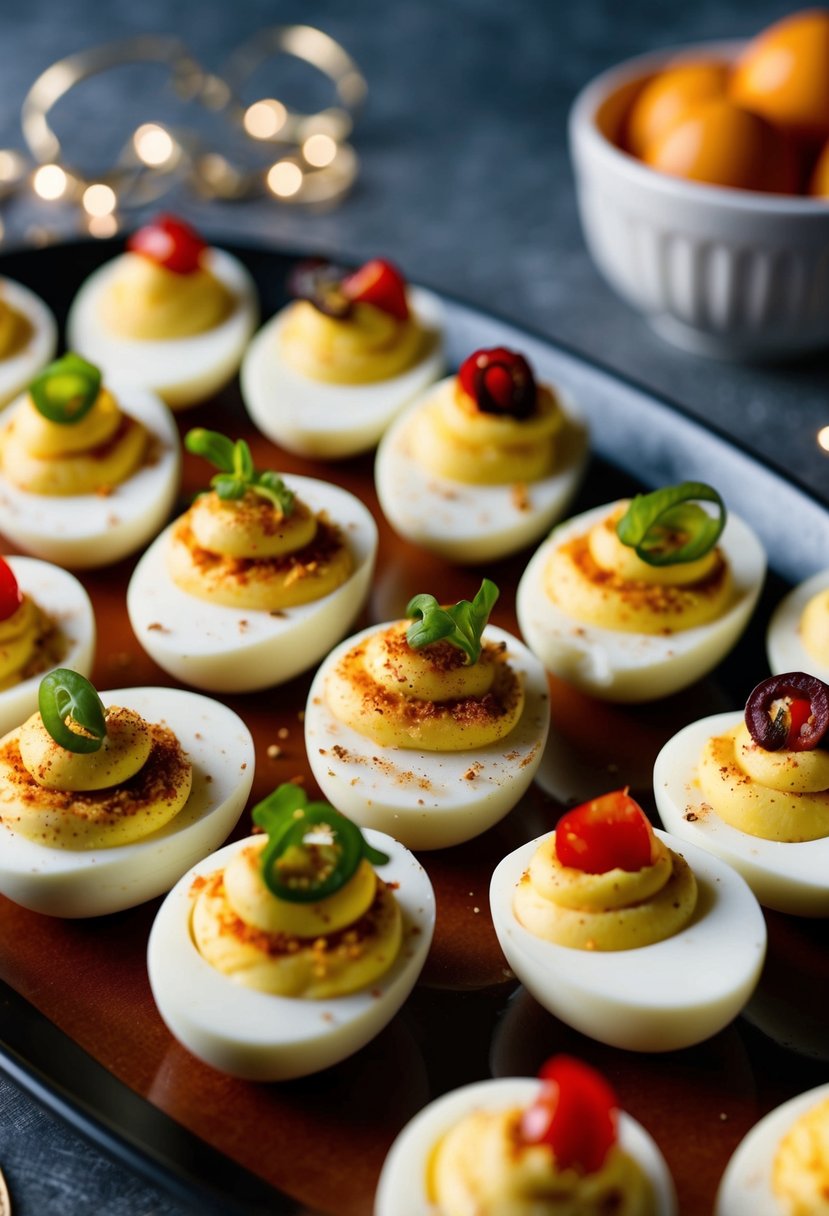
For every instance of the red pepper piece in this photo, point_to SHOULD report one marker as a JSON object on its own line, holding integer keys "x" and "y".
{"x": 576, "y": 1114}
{"x": 11, "y": 596}
{"x": 499, "y": 381}
{"x": 801, "y": 718}
{"x": 170, "y": 243}
{"x": 379, "y": 283}
{"x": 607, "y": 833}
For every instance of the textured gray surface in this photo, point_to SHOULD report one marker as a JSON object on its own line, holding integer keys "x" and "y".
{"x": 466, "y": 182}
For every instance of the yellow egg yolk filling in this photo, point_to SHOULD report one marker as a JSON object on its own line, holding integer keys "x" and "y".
{"x": 148, "y": 302}
{"x": 814, "y": 627}
{"x": 427, "y": 699}
{"x": 136, "y": 783}
{"x": 481, "y": 1167}
{"x": 90, "y": 456}
{"x": 29, "y": 643}
{"x": 15, "y": 330}
{"x": 364, "y": 347}
{"x": 338, "y": 945}
{"x": 452, "y": 438}
{"x": 780, "y": 795}
{"x": 596, "y": 579}
{"x": 245, "y": 553}
{"x": 617, "y": 910}
{"x": 800, "y": 1170}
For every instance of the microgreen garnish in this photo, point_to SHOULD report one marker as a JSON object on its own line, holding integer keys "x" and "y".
{"x": 303, "y": 871}
{"x": 237, "y": 474}
{"x": 66, "y": 390}
{"x": 461, "y": 625}
{"x": 668, "y": 527}
{"x": 66, "y": 694}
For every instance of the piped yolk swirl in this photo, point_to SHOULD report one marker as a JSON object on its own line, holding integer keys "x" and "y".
{"x": 617, "y": 910}
{"x": 366, "y": 346}
{"x": 29, "y": 642}
{"x": 245, "y": 553}
{"x": 814, "y": 626}
{"x": 427, "y": 699}
{"x": 15, "y": 330}
{"x": 135, "y": 784}
{"x": 148, "y": 302}
{"x": 340, "y": 944}
{"x": 90, "y": 456}
{"x": 800, "y": 1170}
{"x": 482, "y": 1167}
{"x": 598, "y": 580}
{"x": 780, "y": 795}
{"x": 452, "y": 438}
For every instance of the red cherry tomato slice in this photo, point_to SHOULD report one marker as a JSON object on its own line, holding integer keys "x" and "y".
{"x": 170, "y": 243}
{"x": 607, "y": 833}
{"x": 499, "y": 381}
{"x": 381, "y": 284}
{"x": 11, "y": 596}
{"x": 576, "y": 1114}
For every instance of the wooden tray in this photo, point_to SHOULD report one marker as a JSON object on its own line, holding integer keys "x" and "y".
{"x": 78, "y": 1025}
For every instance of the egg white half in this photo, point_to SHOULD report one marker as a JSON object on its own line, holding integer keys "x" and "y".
{"x": 746, "y": 1184}
{"x": 429, "y": 800}
{"x": 18, "y": 369}
{"x": 89, "y": 530}
{"x": 263, "y": 1037}
{"x": 331, "y": 421}
{"x": 791, "y": 878}
{"x": 93, "y": 882}
{"x": 619, "y": 666}
{"x": 66, "y": 603}
{"x": 227, "y": 649}
{"x": 468, "y": 523}
{"x": 183, "y": 371}
{"x": 402, "y": 1189}
{"x": 662, "y": 997}
{"x": 785, "y": 650}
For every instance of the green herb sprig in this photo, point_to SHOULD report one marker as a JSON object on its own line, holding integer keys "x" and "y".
{"x": 66, "y": 390}
{"x": 668, "y": 527}
{"x": 237, "y": 474}
{"x": 461, "y": 625}
{"x": 288, "y": 817}
{"x": 63, "y": 694}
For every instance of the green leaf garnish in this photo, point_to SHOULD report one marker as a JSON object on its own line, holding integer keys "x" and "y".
{"x": 63, "y": 694}
{"x": 237, "y": 474}
{"x": 300, "y": 871}
{"x": 66, "y": 390}
{"x": 461, "y": 625}
{"x": 668, "y": 527}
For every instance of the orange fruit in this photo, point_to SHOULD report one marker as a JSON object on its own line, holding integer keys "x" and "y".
{"x": 668, "y": 96}
{"x": 720, "y": 143}
{"x": 783, "y": 74}
{"x": 819, "y": 183}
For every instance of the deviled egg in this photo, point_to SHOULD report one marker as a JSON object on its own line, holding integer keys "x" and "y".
{"x": 46, "y": 620}
{"x": 28, "y": 338}
{"x": 510, "y": 1145}
{"x": 798, "y": 633}
{"x": 623, "y": 937}
{"x": 753, "y": 789}
{"x": 432, "y": 729}
{"x": 257, "y": 581}
{"x": 170, "y": 315}
{"x": 280, "y": 955}
{"x": 781, "y": 1168}
{"x": 483, "y": 463}
{"x": 88, "y": 473}
{"x": 636, "y": 600}
{"x": 105, "y": 802}
{"x": 328, "y": 373}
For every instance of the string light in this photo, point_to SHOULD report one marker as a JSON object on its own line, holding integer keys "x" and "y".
{"x": 316, "y": 163}
{"x": 823, "y": 438}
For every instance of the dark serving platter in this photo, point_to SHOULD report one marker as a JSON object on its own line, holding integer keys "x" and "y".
{"x": 78, "y": 1027}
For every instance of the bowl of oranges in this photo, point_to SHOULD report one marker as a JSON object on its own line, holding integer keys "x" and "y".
{"x": 703, "y": 187}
